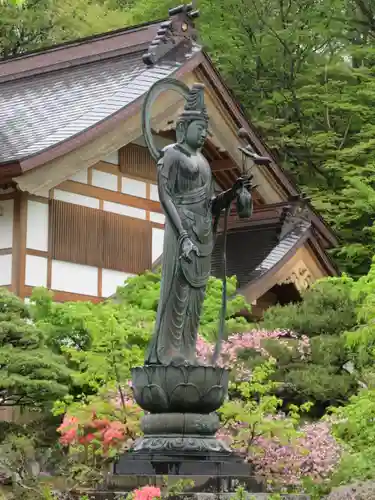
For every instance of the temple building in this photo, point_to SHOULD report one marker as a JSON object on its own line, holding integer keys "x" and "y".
{"x": 79, "y": 208}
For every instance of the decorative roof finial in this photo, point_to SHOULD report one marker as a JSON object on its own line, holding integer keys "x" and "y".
{"x": 179, "y": 28}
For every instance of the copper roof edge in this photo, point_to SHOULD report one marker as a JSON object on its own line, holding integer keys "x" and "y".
{"x": 81, "y": 40}
{"x": 72, "y": 54}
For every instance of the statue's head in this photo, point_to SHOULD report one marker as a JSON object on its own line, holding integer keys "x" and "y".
{"x": 192, "y": 124}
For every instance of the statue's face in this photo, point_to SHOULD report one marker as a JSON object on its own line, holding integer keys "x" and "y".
{"x": 196, "y": 134}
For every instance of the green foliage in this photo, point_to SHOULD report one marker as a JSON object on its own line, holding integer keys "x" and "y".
{"x": 328, "y": 307}
{"x": 312, "y": 92}
{"x": 355, "y": 428}
{"x": 212, "y": 307}
{"x": 320, "y": 384}
{"x": 102, "y": 342}
{"x": 322, "y": 378}
{"x": 256, "y": 404}
{"x": 30, "y": 373}
{"x": 143, "y": 291}
{"x": 316, "y": 375}
{"x": 32, "y": 24}
{"x": 20, "y": 465}
{"x": 361, "y": 340}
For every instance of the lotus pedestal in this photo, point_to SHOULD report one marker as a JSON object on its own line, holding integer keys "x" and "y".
{"x": 180, "y": 427}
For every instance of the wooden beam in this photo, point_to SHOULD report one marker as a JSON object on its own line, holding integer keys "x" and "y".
{"x": 107, "y": 195}
{"x": 224, "y": 164}
{"x": 36, "y": 253}
{"x": 7, "y": 196}
{"x": 67, "y": 296}
{"x": 39, "y": 199}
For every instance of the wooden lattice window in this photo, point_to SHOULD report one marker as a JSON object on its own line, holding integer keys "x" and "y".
{"x": 102, "y": 239}
{"x": 136, "y": 161}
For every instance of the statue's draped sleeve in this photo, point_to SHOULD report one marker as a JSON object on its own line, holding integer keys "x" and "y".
{"x": 167, "y": 172}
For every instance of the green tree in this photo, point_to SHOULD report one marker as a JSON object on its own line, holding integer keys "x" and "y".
{"x": 361, "y": 339}
{"x": 328, "y": 307}
{"x": 355, "y": 428}
{"x": 33, "y": 24}
{"x": 311, "y": 96}
{"x": 30, "y": 373}
{"x": 144, "y": 291}
{"x": 102, "y": 342}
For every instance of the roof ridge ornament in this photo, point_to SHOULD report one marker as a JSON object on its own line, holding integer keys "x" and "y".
{"x": 294, "y": 214}
{"x": 179, "y": 28}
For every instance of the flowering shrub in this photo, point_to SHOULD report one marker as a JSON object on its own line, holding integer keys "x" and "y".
{"x": 255, "y": 339}
{"x": 313, "y": 453}
{"x": 279, "y": 448}
{"x": 104, "y": 435}
{"x": 146, "y": 493}
{"x": 101, "y": 426}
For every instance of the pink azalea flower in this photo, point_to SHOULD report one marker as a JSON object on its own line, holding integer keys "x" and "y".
{"x": 147, "y": 493}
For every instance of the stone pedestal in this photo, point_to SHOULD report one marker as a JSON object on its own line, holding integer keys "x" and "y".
{"x": 180, "y": 430}
{"x": 181, "y": 401}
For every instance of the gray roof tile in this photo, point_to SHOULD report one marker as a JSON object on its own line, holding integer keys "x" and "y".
{"x": 40, "y": 111}
{"x": 260, "y": 250}
{"x": 287, "y": 244}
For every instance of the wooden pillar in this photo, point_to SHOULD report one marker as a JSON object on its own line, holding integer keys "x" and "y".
{"x": 19, "y": 244}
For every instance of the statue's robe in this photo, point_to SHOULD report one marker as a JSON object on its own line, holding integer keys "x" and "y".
{"x": 187, "y": 181}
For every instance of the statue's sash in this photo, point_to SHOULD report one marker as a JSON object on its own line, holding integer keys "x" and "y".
{"x": 196, "y": 218}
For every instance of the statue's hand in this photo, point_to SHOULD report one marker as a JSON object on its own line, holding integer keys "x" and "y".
{"x": 242, "y": 182}
{"x": 186, "y": 248}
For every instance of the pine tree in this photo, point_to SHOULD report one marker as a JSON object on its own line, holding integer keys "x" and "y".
{"x": 30, "y": 374}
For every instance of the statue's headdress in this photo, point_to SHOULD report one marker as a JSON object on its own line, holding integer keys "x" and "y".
{"x": 195, "y": 108}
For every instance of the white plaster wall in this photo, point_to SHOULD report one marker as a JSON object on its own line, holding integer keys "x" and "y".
{"x": 36, "y": 271}
{"x": 111, "y": 280}
{"x": 6, "y": 224}
{"x": 156, "y": 217}
{"x": 133, "y": 187}
{"x": 77, "y": 199}
{"x": 117, "y": 208}
{"x": 80, "y": 176}
{"x": 157, "y": 243}
{"x": 37, "y": 226}
{"x": 154, "y": 193}
{"x": 5, "y": 269}
{"x": 112, "y": 158}
{"x": 104, "y": 180}
{"x": 74, "y": 278}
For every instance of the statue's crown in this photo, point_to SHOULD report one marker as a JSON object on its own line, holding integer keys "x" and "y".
{"x": 195, "y": 107}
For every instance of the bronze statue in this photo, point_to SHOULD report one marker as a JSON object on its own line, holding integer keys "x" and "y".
{"x": 192, "y": 210}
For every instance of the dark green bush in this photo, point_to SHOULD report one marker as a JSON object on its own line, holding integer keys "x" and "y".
{"x": 320, "y": 384}
{"x": 328, "y": 350}
{"x": 327, "y": 308}
{"x": 318, "y": 376}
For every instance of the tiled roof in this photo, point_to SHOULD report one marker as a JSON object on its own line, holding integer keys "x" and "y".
{"x": 252, "y": 252}
{"x": 246, "y": 249}
{"x": 294, "y": 238}
{"x": 42, "y": 110}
